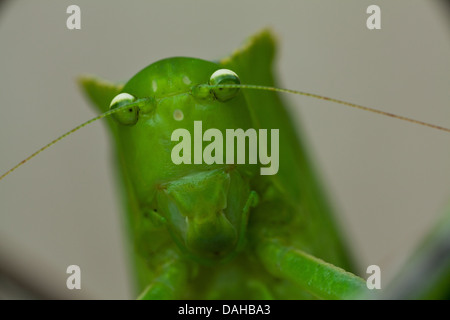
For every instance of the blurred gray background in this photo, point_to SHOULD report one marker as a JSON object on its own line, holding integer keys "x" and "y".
{"x": 388, "y": 180}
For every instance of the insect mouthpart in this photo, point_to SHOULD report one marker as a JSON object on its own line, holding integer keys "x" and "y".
{"x": 214, "y": 237}
{"x": 206, "y": 212}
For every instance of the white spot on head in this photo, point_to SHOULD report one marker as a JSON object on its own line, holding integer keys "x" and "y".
{"x": 122, "y": 97}
{"x": 154, "y": 85}
{"x": 178, "y": 115}
{"x": 186, "y": 80}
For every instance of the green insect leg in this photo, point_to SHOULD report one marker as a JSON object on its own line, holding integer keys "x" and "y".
{"x": 321, "y": 279}
{"x": 170, "y": 284}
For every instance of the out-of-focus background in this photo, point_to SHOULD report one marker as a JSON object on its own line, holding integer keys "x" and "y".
{"x": 388, "y": 180}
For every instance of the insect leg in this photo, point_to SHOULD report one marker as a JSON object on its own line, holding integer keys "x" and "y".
{"x": 323, "y": 280}
{"x": 170, "y": 283}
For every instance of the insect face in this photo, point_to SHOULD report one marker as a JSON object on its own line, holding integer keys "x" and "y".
{"x": 204, "y": 205}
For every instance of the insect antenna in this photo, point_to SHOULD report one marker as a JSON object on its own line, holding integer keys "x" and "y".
{"x": 231, "y": 86}
{"x": 316, "y": 96}
{"x": 101, "y": 116}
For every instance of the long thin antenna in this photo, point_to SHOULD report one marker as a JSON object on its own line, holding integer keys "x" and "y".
{"x": 239, "y": 86}
{"x": 103, "y": 115}
{"x": 316, "y": 96}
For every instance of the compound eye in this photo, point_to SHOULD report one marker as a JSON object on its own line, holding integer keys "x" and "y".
{"x": 224, "y": 76}
{"x": 128, "y": 116}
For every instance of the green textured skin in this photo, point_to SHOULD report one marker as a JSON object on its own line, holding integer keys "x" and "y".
{"x": 291, "y": 208}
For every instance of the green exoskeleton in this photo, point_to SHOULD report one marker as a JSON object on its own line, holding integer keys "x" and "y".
{"x": 220, "y": 230}
{"x": 213, "y": 230}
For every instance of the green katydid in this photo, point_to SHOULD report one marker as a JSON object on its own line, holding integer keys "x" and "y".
{"x": 196, "y": 226}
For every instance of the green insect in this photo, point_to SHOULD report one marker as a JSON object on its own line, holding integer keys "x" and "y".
{"x": 196, "y": 225}
{"x": 221, "y": 230}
